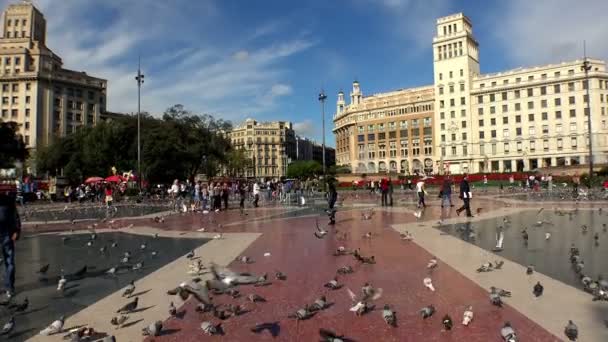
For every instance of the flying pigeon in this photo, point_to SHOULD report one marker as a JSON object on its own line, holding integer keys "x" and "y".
{"x": 467, "y": 317}
{"x": 538, "y": 289}
{"x": 129, "y": 289}
{"x": 53, "y": 328}
{"x": 8, "y": 327}
{"x": 129, "y": 307}
{"x": 428, "y": 283}
{"x": 427, "y": 311}
{"x": 333, "y": 284}
{"x": 447, "y": 322}
{"x": 153, "y": 329}
{"x": 571, "y": 331}
{"x": 389, "y": 316}
{"x": 211, "y": 329}
{"x": 507, "y": 333}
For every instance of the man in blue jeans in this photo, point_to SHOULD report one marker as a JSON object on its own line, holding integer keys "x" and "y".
{"x": 10, "y": 229}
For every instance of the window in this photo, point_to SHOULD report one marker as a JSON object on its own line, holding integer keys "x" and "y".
{"x": 572, "y": 113}
{"x": 573, "y": 142}
{"x": 585, "y": 98}
{"x": 27, "y": 125}
{"x": 442, "y": 127}
{"x": 493, "y": 134}
{"x": 543, "y": 103}
{"x": 545, "y": 116}
{"x": 482, "y": 149}
{"x": 27, "y": 112}
{"x": 8, "y": 22}
{"x": 556, "y": 89}
{"x": 492, "y": 110}
{"x": 464, "y": 150}
{"x": 493, "y": 149}
{"x": 443, "y": 138}
{"x": 545, "y": 129}
{"x": 481, "y": 135}
{"x": 452, "y": 103}
{"x": 530, "y": 92}
{"x": 531, "y": 117}
{"x": 463, "y": 101}
{"x": 505, "y": 120}
{"x": 27, "y": 99}
{"x": 14, "y": 113}
{"x": 440, "y": 90}
{"x": 546, "y": 145}
{"x": 7, "y": 60}
{"x": 452, "y": 114}
{"x": 506, "y": 146}
{"x": 517, "y": 94}
{"x": 558, "y": 114}
{"x": 558, "y": 128}
{"x": 464, "y": 124}
{"x": 505, "y": 108}
{"x": 573, "y": 127}
{"x": 504, "y": 96}
{"x": 461, "y": 86}
{"x": 543, "y": 90}
{"x": 5, "y": 100}
{"x": 463, "y": 113}
{"x": 531, "y": 130}
{"x": 492, "y": 98}
{"x": 505, "y": 133}
{"x": 15, "y": 100}
{"x": 571, "y": 100}
{"x": 560, "y": 143}
{"x": 441, "y": 104}
{"x": 464, "y": 136}
{"x": 517, "y": 118}
{"x": 518, "y": 131}
{"x": 28, "y": 86}
{"x": 451, "y": 89}
{"x": 531, "y": 78}
{"x": 558, "y": 101}
{"x": 453, "y": 136}
{"x": 519, "y": 146}
{"x": 584, "y": 84}
{"x": 4, "y": 113}
{"x": 493, "y": 121}
{"x": 571, "y": 86}
{"x": 451, "y": 74}
{"x": 517, "y": 106}
{"x": 461, "y": 71}
{"x": 480, "y": 123}
{"x": 480, "y": 99}
{"x": 15, "y": 87}
{"x": 480, "y": 111}
{"x": 530, "y": 105}
{"x": 532, "y": 145}
{"x": 440, "y": 76}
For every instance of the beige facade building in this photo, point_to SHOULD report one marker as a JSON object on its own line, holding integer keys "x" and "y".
{"x": 517, "y": 120}
{"x": 270, "y": 146}
{"x": 45, "y": 99}
{"x": 387, "y": 132}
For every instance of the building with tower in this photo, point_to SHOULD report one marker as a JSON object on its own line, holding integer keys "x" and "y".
{"x": 38, "y": 93}
{"x": 516, "y": 120}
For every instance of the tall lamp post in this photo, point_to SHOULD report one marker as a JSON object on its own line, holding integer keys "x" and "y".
{"x": 322, "y": 98}
{"x": 140, "y": 80}
{"x": 586, "y": 67}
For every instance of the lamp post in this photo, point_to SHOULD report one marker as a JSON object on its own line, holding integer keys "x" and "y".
{"x": 140, "y": 80}
{"x": 322, "y": 98}
{"x": 586, "y": 67}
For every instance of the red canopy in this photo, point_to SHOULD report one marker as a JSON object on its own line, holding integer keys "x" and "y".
{"x": 114, "y": 179}
{"x": 93, "y": 180}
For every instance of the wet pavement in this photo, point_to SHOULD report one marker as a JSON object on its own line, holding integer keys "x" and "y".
{"x": 47, "y": 304}
{"x": 549, "y": 256}
{"x": 86, "y": 211}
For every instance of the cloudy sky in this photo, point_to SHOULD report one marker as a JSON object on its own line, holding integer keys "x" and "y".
{"x": 269, "y": 59}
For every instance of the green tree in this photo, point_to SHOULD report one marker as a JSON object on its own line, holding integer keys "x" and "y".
{"x": 304, "y": 169}
{"x": 12, "y": 147}
{"x": 238, "y": 162}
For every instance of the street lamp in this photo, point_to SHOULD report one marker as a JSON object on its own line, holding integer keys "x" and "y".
{"x": 586, "y": 67}
{"x": 140, "y": 80}
{"x": 322, "y": 98}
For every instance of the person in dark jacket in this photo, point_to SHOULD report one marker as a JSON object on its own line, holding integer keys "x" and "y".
{"x": 10, "y": 230}
{"x": 332, "y": 197}
{"x": 465, "y": 195}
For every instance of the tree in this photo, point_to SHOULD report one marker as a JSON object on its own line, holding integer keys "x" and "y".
{"x": 12, "y": 147}
{"x": 238, "y": 162}
{"x": 304, "y": 169}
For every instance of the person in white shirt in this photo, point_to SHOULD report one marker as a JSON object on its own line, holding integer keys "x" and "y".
{"x": 256, "y": 194}
{"x": 420, "y": 190}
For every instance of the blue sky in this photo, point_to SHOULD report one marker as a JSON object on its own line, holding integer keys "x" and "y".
{"x": 269, "y": 59}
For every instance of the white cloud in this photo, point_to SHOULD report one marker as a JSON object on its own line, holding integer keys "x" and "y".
{"x": 305, "y": 128}
{"x": 182, "y": 60}
{"x": 280, "y": 90}
{"x": 550, "y": 31}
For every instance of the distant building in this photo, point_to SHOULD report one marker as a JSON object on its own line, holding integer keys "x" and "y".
{"x": 269, "y": 145}
{"x": 307, "y": 149}
{"x": 45, "y": 99}
{"x": 109, "y": 116}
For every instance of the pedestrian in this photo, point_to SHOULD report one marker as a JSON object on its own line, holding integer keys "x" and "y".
{"x": 485, "y": 183}
{"x": 225, "y": 193}
{"x": 446, "y": 192}
{"x": 197, "y": 195}
{"x": 205, "y": 197}
{"x": 10, "y": 230}
{"x": 390, "y": 191}
{"x": 420, "y": 191}
{"x": 217, "y": 197}
{"x": 174, "y": 194}
{"x": 384, "y": 191}
{"x": 242, "y": 188}
{"x": 109, "y": 192}
{"x": 256, "y": 194}
{"x": 465, "y": 195}
{"x": 332, "y": 197}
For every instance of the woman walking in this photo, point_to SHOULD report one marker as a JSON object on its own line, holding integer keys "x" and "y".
{"x": 421, "y": 191}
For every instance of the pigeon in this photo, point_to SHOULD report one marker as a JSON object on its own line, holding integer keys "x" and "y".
{"x": 320, "y": 233}
{"x": 319, "y": 304}
{"x": 119, "y": 320}
{"x": 61, "y": 283}
{"x": 125, "y": 260}
{"x": 432, "y": 264}
{"x": 530, "y": 269}
{"x": 524, "y": 235}
{"x": 367, "y": 235}
{"x": 547, "y": 236}
{"x": 467, "y": 317}
{"x": 302, "y": 314}
{"x": 280, "y": 275}
{"x": 190, "y": 255}
{"x": 507, "y": 333}
{"x": 330, "y": 336}
{"x": 44, "y": 269}
{"x": 345, "y": 270}
{"x": 362, "y": 305}
{"x": 254, "y": 298}
{"x": 538, "y": 289}
{"x": 211, "y": 329}
{"x": 501, "y": 292}
{"x": 154, "y": 253}
{"x": 389, "y": 316}
{"x": 8, "y": 327}
{"x": 333, "y": 284}
{"x": 274, "y": 328}
{"x": 262, "y": 281}
{"x": 427, "y": 311}
{"x": 185, "y": 290}
{"x": 111, "y": 271}
{"x": 129, "y": 289}
{"x": 172, "y": 310}
{"x": 245, "y": 260}
{"x": 571, "y": 331}
{"x": 138, "y": 266}
{"x": 102, "y": 249}
{"x": 495, "y": 298}
{"x": 153, "y": 329}
{"x": 498, "y": 264}
{"x": 407, "y": 236}
{"x": 20, "y": 307}
{"x": 370, "y": 293}
{"x": 428, "y": 283}
{"x": 129, "y": 307}
{"x": 53, "y": 328}
{"x": 143, "y": 246}
{"x": 114, "y": 244}
{"x": 203, "y": 307}
{"x": 447, "y": 322}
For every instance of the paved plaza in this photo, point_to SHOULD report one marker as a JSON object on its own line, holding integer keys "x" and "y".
{"x": 280, "y": 238}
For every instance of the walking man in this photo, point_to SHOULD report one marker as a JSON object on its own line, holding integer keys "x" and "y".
{"x": 446, "y": 192}
{"x": 420, "y": 191}
{"x": 332, "y": 197}
{"x": 384, "y": 191}
{"x": 465, "y": 195}
{"x": 10, "y": 229}
{"x": 256, "y": 194}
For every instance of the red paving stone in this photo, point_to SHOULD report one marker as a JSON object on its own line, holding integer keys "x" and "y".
{"x": 308, "y": 263}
